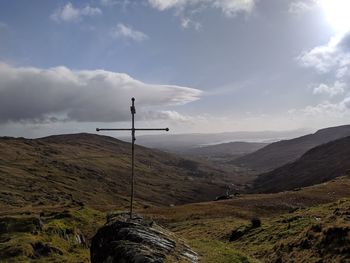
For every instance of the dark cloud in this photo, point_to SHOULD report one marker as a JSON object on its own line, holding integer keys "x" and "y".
{"x": 60, "y": 94}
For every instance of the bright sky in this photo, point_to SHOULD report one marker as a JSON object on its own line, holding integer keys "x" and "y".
{"x": 192, "y": 65}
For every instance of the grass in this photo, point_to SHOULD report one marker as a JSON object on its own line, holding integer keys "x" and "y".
{"x": 47, "y": 171}
{"x": 214, "y": 251}
{"x": 63, "y": 236}
{"x": 207, "y": 226}
{"x": 73, "y": 190}
{"x": 207, "y": 233}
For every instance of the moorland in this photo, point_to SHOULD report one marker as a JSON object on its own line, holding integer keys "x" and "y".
{"x": 291, "y": 204}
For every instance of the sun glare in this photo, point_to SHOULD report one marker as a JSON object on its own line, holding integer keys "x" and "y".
{"x": 338, "y": 14}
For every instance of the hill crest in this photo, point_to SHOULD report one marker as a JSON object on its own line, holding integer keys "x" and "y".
{"x": 286, "y": 151}
{"x": 320, "y": 164}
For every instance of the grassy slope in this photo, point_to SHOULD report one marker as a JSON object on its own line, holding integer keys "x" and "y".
{"x": 287, "y": 219}
{"x": 320, "y": 164}
{"x": 95, "y": 170}
{"x": 72, "y": 180}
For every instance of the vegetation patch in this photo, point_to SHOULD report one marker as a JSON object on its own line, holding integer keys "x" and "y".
{"x": 51, "y": 236}
{"x": 214, "y": 251}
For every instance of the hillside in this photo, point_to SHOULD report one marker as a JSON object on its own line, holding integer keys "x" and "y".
{"x": 320, "y": 164}
{"x": 310, "y": 225}
{"x": 286, "y": 151}
{"x": 95, "y": 170}
{"x": 57, "y": 191}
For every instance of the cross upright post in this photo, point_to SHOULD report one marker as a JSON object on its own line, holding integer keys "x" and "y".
{"x": 133, "y": 139}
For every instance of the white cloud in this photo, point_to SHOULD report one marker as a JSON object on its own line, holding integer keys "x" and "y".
{"x": 166, "y": 115}
{"x": 232, "y": 7}
{"x": 187, "y": 22}
{"x": 325, "y": 113}
{"x": 342, "y": 72}
{"x": 69, "y": 13}
{"x": 167, "y": 4}
{"x": 333, "y": 61}
{"x": 325, "y": 109}
{"x": 301, "y": 6}
{"x": 322, "y": 58}
{"x": 44, "y": 95}
{"x": 228, "y": 7}
{"x": 187, "y": 8}
{"x": 337, "y": 89}
{"x": 90, "y": 11}
{"x": 333, "y": 56}
{"x": 127, "y": 32}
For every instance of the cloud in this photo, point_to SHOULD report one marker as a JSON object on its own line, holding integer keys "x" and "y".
{"x": 346, "y": 103}
{"x": 325, "y": 112}
{"x": 232, "y": 7}
{"x": 326, "y": 109}
{"x": 166, "y": 115}
{"x": 228, "y": 7}
{"x": 332, "y": 61}
{"x": 333, "y": 56}
{"x": 337, "y": 89}
{"x": 127, "y": 32}
{"x": 37, "y": 95}
{"x": 320, "y": 115}
{"x": 187, "y": 22}
{"x": 299, "y": 7}
{"x": 187, "y": 8}
{"x": 162, "y": 5}
{"x": 69, "y": 13}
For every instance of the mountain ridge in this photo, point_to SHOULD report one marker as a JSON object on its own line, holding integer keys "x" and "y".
{"x": 286, "y": 151}
{"x": 49, "y": 169}
{"x": 320, "y": 164}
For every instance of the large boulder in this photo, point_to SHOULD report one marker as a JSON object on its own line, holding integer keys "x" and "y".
{"x": 138, "y": 241}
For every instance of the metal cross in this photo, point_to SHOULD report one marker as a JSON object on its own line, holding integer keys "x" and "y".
{"x": 133, "y": 139}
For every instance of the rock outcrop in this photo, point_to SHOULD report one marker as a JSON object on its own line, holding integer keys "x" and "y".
{"x": 138, "y": 240}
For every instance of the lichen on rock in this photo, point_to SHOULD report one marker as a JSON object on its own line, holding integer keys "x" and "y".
{"x": 138, "y": 240}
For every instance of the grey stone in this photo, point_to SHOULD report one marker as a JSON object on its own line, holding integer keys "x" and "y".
{"x": 138, "y": 241}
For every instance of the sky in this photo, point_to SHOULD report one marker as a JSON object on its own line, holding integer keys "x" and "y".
{"x": 192, "y": 65}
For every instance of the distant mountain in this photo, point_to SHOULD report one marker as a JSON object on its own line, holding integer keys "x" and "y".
{"x": 318, "y": 165}
{"x": 181, "y": 143}
{"x": 95, "y": 170}
{"x": 230, "y": 150}
{"x": 286, "y": 151}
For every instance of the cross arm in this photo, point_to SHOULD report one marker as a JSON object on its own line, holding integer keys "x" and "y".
{"x": 160, "y": 129}
{"x": 98, "y": 129}
{"x": 146, "y": 129}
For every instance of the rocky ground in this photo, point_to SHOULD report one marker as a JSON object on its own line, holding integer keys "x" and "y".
{"x": 138, "y": 240}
